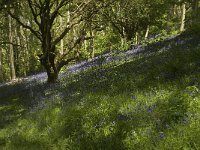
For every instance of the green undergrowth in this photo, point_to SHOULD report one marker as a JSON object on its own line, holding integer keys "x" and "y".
{"x": 150, "y": 102}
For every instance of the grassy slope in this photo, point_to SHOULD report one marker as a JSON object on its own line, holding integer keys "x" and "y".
{"x": 150, "y": 102}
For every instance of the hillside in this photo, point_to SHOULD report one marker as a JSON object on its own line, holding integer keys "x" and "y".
{"x": 144, "y": 98}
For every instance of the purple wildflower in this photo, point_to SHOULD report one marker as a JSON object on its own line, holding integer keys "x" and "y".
{"x": 161, "y": 135}
{"x": 185, "y": 121}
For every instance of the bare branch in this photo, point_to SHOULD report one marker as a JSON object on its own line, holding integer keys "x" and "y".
{"x": 36, "y": 33}
{"x": 55, "y": 13}
{"x": 78, "y": 41}
{"x": 14, "y": 44}
{"x": 65, "y": 62}
{"x": 33, "y": 12}
{"x": 66, "y": 30}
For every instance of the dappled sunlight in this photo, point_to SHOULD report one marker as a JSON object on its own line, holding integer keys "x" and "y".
{"x": 100, "y": 75}
{"x": 148, "y": 102}
{"x": 104, "y": 121}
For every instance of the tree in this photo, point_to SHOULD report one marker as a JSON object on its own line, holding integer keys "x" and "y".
{"x": 183, "y": 14}
{"x": 129, "y": 17}
{"x": 195, "y": 5}
{"x": 12, "y": 66}
{"x": 1, "y": 67}
{"x": 45, "y": 15}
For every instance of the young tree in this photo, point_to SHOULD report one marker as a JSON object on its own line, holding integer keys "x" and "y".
{"x": 130, "y": 17}
{"x": 11, "y": 54}
{"x": 183, "y": 15}
{"x": 45, "y": 15}
{"x": 1, "y": 67}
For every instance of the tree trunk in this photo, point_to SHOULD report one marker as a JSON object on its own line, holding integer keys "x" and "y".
{"x": 25, "y": 53}
{"x": 91, "y": 46}
{"x": 48, "y": 58}
{"x": 52, "y": 76}
{"x": 1, "y": 68}
{"x": 183, "y": 14}
{"x": 61, "y": 41}
{"x": 19, "y": 66}
{"x": 195, "y": 9}
{"x": 147, "y": 33}
{"x": 48, "y": 62}
{"x": 136, "y": 38}
{"x": 27, "y": 40}
{"x": 12, "y": 66}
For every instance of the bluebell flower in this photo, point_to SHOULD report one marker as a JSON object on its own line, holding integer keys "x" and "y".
{"x": 150, "y": 109}
{"x": 161, "y": 135}
{"x": 185, "y": 121}
{"x": 122, "y": 117}
{"x": 134, "y": 97}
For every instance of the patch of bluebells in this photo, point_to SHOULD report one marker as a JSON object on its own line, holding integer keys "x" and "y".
{"x": 75, "y": 68}
{"x": 151, "y": 108}
{"x": 185, "y": 121}
{"x": 122, "y": 117}
{"x": 34, "y": 86}
{"x": 161, "y": 135}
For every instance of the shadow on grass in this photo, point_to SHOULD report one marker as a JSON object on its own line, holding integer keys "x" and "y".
{"x": 180, "y": 64}
{"x": 17, "y": 99}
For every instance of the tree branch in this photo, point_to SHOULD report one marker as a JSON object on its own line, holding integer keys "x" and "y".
{"x": 65, "y": 62}
{"x": 36, "y": 33}
{"x": 78, "y": 41}
{"x": 60, "y": 5}
{"x": 33, "y": 12}
{"x": 6, "y": 43}
{"x": 66, "y": 30}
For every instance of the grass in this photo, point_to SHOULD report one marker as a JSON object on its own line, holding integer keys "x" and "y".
{"x": 150, "y": 102}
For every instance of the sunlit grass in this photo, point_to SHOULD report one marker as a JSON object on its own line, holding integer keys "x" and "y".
{"x": 105, "y": 122}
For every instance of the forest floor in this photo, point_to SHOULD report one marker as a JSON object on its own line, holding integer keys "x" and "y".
{"x": 144, "y": 98}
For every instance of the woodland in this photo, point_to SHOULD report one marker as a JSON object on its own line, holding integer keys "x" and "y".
{"x": 99, "y": 74}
